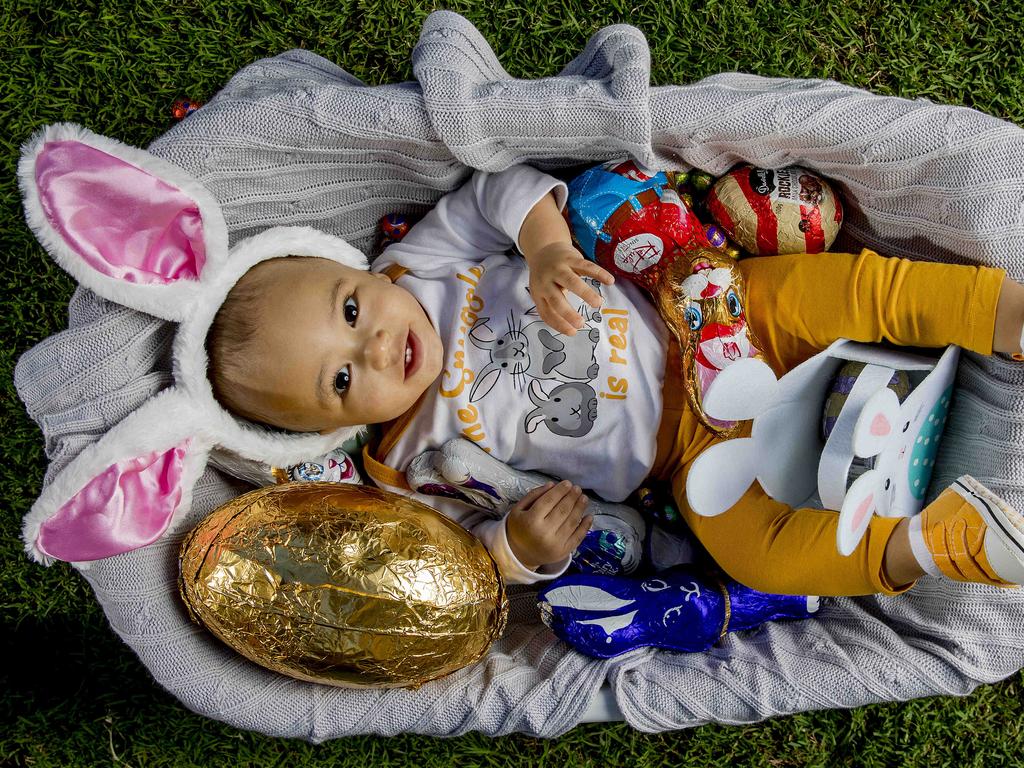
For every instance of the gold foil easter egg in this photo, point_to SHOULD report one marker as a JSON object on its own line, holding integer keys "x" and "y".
{"x": 343, "y": 584}
{"x": 768, "y": 212}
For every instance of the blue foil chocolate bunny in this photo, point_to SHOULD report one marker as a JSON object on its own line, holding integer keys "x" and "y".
{"x": 678, "y": 610}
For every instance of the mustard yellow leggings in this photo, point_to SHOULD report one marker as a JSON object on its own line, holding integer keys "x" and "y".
{"x": 797, "y": 305}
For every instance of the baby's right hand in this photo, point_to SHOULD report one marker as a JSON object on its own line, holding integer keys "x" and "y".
{"x": 547, "y": 524}
{"x": 556, "y": 269}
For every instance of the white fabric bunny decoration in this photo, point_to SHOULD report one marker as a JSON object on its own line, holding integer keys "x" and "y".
{"x": 142, "y": 232}
{"x": 902, "y": 439}
{"x": 786, "y": 455}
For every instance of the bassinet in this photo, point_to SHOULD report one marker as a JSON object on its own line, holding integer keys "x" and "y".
{"x": 296, "y": 140}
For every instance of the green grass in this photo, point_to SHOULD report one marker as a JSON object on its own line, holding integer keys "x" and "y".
{"x": 73, "y": 694}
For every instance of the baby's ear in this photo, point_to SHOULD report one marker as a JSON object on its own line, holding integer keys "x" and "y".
{"x": 126, "y": 224}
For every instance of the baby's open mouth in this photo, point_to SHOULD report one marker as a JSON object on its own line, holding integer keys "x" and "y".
{"x": 412, "y": 358}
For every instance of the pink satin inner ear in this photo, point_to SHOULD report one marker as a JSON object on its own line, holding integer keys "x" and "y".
{"x": 125, "y": 507}
{"x": 124, "y": 222}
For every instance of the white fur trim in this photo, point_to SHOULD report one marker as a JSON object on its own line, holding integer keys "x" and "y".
{"x": 191, "y": 362}
{"x": 162, "y": 422}
{"x": 168, "y": 301}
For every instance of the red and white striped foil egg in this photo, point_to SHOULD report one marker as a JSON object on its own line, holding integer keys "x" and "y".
{"x": 768, "y": 212}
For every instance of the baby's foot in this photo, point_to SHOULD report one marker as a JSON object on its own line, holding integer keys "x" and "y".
{"x": 680, "y": 610}
{"x": 970, "y": 534}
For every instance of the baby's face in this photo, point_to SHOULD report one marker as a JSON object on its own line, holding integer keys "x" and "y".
{"x": 335, "y": 347}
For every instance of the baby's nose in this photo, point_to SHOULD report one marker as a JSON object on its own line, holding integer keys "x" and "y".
{"x": 380, "y": 352}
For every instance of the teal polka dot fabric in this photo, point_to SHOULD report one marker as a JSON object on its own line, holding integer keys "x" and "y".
{"x": 922, "y": 459}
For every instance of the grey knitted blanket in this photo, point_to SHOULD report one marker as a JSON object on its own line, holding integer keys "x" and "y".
{"x": 296, "y": 140}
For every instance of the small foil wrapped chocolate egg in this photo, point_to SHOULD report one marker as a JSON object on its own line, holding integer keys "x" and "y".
{"x": 343, "y": 584}
{"x": 715, "y": 236}
{"x": 768, "y": 212}
{"x": 394, "y": 226}
{"x": 701, "y": 181}
{"x": 678, "y": 179}
{"x": 182, "y": 108}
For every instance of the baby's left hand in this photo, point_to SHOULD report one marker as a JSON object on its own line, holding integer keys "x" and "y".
{"x": 555, "y": 269}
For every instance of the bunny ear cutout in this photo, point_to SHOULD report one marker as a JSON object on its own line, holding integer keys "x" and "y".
{"x": 124, "y": 223}
{"x": 876, "y": 423}
{"x": 741, "y": 391}
{"x": 859, "y": 505}
{"x": 720, "y": 476}
{"x": 121, "y": 493}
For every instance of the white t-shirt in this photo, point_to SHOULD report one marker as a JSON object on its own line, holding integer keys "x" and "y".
{"x": 583, "y": 407}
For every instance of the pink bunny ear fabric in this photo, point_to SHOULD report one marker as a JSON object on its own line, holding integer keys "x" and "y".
{"x": 119, "y": 219}
{"x": 128, "y": 225}
{"x": 122, "y": 492}
{"x": 143, "y": 233}
{"x": 126, "y": 506}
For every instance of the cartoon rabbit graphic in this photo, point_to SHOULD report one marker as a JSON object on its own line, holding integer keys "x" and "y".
{"x": 903, "y": 440}
{"x": 533, "y": 351}
{"x": 785, "y": 453}
{"x": 569, "y": 411}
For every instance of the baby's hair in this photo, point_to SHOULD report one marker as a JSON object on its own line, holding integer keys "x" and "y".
{"x": 231, "y": 332}
{"x": 230, "y": 335}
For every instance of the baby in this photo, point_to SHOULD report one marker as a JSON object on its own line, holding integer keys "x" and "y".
{"x": 549, "y": 364}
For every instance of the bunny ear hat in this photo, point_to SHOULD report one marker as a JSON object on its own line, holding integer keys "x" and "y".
{"x": 143, "y": 233}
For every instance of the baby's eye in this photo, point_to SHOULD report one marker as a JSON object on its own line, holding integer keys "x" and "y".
{"x": 351, "y": 310}
{"x": 342, "y": 380}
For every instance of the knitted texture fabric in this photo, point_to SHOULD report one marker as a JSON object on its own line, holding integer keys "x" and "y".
{"x": 294, "y": 139}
